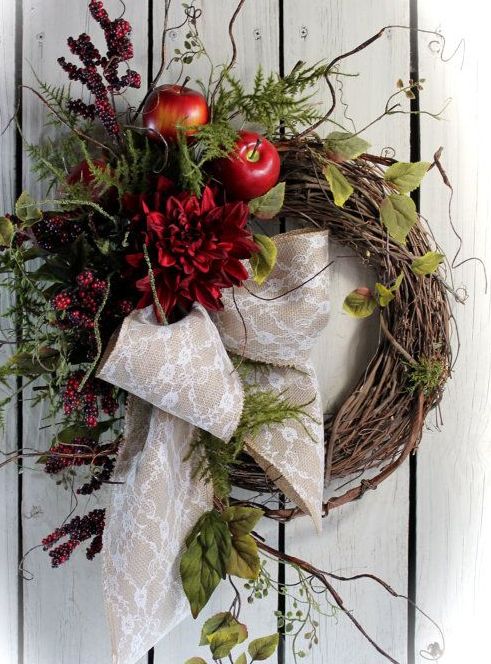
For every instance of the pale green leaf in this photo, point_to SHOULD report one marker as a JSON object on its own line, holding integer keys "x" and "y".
{"x": 398, "y": 214}
{"x": 205, "y": 560}
{"x": 427, "y": 264}
{"x": 242, "y": 659}
{"x": 27, "y": 210}
{"x": 6, "y": 232}
{"x": 222, "y": 641}
{"x": 195, "y": 660}
{"x": 269, "y": 204}
{"x": 264, "y": 260}
{"x": 344, "y": 145}
{"x": 398, "y": 282}
{"x": 406, "y": 176}
{"x": 360, "y": 303}
{"x": 244, "y": 558}
{"x": 213, "y": 624}
{"x": 385, "y": 295}
{"x": 263, "y": 648}
{"x": 241, "y": 520}
{"x": 339, "y": 185}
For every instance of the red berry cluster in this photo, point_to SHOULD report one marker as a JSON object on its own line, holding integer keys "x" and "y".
{"x": 78, "y": 453}
{"x": 119, "y": 50}
{"x": 54, "y": 232}
{"x": 99, "y": 477}
{"x": 78, "y": 530}
{"x": 77, "y": 306}
{"x": 82, "y": 451}
{"x": 86, "y": 400}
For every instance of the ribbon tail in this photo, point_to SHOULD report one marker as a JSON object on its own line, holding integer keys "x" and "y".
{"x": 292, "y": 453}
{"x": 150, "y": 514}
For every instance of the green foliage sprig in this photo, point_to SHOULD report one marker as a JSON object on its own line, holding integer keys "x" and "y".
{"x": 215, "y": 457}
{"x": 274, "y": 101}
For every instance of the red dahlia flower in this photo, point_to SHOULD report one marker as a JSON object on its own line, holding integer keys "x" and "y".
{"x": 195, "y": 247}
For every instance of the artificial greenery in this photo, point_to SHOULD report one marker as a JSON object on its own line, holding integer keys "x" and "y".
{"x": 274, "y": 103}
{"x": 262, "y": 408}
{"x": 425, "y": 375}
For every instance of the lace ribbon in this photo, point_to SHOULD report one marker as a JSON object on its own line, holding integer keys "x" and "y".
{"x": 180, "y": 377}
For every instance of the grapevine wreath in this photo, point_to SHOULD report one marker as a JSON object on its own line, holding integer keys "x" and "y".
{"x": 142, "y": 295}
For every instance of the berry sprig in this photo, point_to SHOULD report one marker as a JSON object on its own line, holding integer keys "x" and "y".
{"x": 95, "y": 395}
{"x": 82, "y": 451}
{"x": 102, "y": 85}
{"x": 78, "y": 530}
{"x": 76, "y": 307}
{"x": 56, "y": 231}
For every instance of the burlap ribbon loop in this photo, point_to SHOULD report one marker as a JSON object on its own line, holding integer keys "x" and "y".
{"x": 180, "y": 377}
{"x": 182, "y": 369}
{"x": 283, "y": 318}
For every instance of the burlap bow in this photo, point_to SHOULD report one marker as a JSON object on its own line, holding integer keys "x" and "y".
{"x": 180, "y": 377}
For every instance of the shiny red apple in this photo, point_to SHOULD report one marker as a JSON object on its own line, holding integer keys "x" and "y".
{"x": 170, "y": 105}
{"x": 251, "y": 170}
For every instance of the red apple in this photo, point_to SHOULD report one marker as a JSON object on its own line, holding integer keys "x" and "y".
{"x": 251, "y": 170}
{"x": 170, "y": 105}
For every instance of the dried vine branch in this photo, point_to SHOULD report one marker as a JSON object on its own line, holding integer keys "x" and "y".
{"x": 381, "y": 421}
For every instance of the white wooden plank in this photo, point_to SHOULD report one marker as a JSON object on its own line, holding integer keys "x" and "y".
{"x": 369, "y": 535}
{"x": 256, "y": 34}
{"x": 454, "y": 496}
{"x": 64, "y": 615}
{"x": 9, "y": 579}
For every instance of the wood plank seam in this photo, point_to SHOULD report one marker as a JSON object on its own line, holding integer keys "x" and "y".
{"x": 414, "y": 155}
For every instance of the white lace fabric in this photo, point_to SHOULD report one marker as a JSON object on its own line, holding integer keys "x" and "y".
{"x": 180, "y": 377}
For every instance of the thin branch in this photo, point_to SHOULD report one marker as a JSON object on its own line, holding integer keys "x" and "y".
{"x": 233, "y": 59}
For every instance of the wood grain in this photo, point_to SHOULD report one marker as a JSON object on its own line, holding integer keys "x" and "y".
{"x": 454, "y": 496}
{"x": 9, "y": 580}
{"x": 371, "y": 534}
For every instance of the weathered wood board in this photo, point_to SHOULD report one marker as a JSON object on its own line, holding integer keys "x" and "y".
{"x": 454, "y": 497}
{"x": 9, "y": 583}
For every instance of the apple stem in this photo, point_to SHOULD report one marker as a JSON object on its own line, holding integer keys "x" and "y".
{"x": 186, "y": 80}
{"x": 258, "y": 143}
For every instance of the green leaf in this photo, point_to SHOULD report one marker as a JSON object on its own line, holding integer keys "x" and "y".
{"x": 344, "y": 145}
{"x": 222, "y": 641}
{"x": 242, "y": 659}
{"x": 27, "y": 210}
{"x": 398, "y": 214}
{"x": 213, "y": 624}
{"x": 51, "y": 273}
{"x": 244, "y": 559}
{"x": 340, "y": 186}
{"x": 195, "y": 660}
{"x": 6, "y": 232}
{"x": 205, "y": 560}
{"x": 68, "y": 434}
{"x": 264, "y": 261}
{"x": 406, "y": 176}
{"x": 263, "y": 648}
{"x": 427, "y": 264}
{"x": 241, "y": 520}
{"x": 360, "y": 303}
{"x": 387, "y": 293}
{"x": 270, "y": 204}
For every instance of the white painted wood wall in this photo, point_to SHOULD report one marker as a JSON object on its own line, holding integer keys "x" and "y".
{"x": 57, "y": 616}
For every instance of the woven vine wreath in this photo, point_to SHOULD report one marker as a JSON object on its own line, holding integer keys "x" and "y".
{"x": 381, "y": 421}
{"x": 142, "y": 320}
